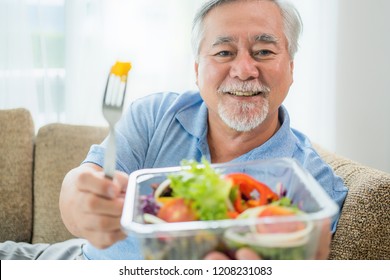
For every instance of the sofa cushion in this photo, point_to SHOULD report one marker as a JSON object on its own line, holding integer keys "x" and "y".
{"x": 364, "y": 227}
{"x": 59, "y": 148}
{"x": 16, "y": 165}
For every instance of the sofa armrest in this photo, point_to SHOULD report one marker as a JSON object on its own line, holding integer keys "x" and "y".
{"x": 363, "y": 231}
{"x": 16, "y": 167}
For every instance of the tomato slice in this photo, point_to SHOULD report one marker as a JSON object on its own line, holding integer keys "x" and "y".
{"x": 250, "y": 192}
{"x": 176, "y": 210}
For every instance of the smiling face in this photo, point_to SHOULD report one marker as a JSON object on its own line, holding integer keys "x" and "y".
{"x": 244, "y": 70}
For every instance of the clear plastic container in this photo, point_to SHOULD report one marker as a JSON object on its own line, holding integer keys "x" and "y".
{"x": 193, "y": 240}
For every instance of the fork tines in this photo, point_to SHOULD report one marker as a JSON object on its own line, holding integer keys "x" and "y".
{"x": 115, "y": 92}
{"x": 113, "y": 100}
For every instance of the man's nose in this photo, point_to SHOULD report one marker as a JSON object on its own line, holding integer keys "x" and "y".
{"x": 244, "y": 67}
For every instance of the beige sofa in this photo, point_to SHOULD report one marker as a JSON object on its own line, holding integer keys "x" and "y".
{"x": 32, "y": 168}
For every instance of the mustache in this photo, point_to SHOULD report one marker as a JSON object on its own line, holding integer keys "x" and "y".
{"x": 245, "y": 86}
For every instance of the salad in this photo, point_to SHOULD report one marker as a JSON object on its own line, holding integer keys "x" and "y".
{"x": 201, "y": 193}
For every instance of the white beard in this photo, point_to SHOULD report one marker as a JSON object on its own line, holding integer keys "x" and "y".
{"x": 243, "y": 116}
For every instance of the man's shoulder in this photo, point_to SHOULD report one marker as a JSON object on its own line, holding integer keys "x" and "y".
{"x": 316, "y": 165}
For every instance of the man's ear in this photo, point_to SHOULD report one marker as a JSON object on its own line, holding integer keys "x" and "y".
{"x": 292, "y": 70}
{"x": 196, "y": 66}
{"x": 292, "y": 67}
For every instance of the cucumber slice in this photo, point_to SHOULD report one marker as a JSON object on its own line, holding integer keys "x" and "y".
{"x": 251, "y": 238}
{"x": 152, "y": 219}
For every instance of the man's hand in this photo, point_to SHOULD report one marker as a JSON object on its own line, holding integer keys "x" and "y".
{"x": 241, "y": 254}
{"x": 91, "y": 204}
{"x": 324, "y": 241}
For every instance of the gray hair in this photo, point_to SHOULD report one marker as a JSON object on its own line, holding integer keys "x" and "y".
{"x": 291, "y": 20}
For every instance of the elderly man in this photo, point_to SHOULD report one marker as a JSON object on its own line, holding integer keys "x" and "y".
{"x": 244, "y": 61}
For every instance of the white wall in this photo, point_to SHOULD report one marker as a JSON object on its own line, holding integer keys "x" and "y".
{"x": 311, "y": 101}
{"x": 341, "y": 92}
{"x": 363, "y": 82}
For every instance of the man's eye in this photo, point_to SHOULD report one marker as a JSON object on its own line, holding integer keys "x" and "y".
{"x": 263, "y": 53}
{"x": 223, "y": 53}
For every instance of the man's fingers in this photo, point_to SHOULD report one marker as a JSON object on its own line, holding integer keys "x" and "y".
{"x": 122, "y": 179}
{"x": 101, "y": 223}
{"x": 97, "y": 205}
{"x": 216, "y": 256}
{"x": 97, "y": 183}
{"x": 241, "y": 254}
{"x": 324, "y": 242}
{"x": 247, "y": 254}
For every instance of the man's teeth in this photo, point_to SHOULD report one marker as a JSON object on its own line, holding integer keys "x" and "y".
{"x": 244, "y": 93}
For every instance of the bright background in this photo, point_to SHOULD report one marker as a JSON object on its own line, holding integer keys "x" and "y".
{"x": 55, "y": 56}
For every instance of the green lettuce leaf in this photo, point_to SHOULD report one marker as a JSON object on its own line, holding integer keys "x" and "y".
{"x": 206, "y": 188}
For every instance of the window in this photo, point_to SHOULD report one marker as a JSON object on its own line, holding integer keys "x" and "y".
{"x": 56, "y": 54}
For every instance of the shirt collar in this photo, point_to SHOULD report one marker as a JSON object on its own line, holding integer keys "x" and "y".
{"x": 281, "y": 144}
{"x": 193, "y": 118}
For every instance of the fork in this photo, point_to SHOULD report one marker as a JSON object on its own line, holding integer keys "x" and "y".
{"x": 114, "y": 96}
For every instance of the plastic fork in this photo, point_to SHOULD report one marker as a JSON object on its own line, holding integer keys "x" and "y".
{"x": 114, "y": 97}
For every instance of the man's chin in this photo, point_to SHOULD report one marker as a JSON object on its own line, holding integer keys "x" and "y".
{"x": 241, "y": 124}
{"x": 243, "y": 116}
